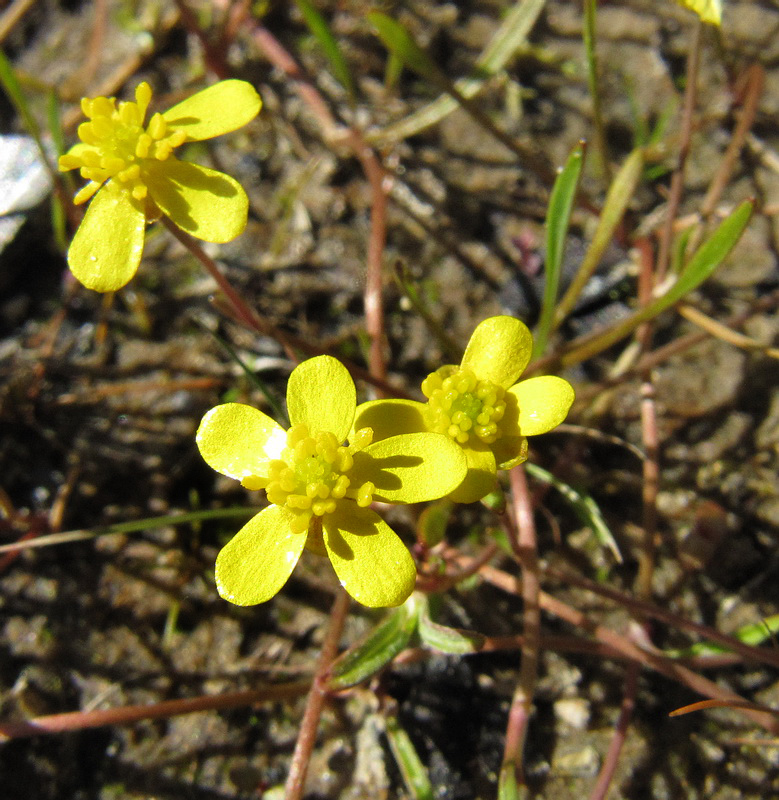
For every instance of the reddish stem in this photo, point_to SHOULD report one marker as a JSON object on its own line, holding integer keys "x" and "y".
{"x": 79, "y": 720}
{"x": 522, "y": 535}
{"x": 316, "y": 698}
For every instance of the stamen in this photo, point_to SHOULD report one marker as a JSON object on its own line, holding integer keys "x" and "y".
{"x": 461, "y": 406}
{"x": 310, "y": 475}
{"x": 114, "y": 143}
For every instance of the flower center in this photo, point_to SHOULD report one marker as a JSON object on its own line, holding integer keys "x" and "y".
{"x": 311, "y": 475}
{"x": 460, "y": 405}
{"x": 115, "y": 143}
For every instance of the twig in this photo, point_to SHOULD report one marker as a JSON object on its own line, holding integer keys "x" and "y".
{"x": 79, "y": 720}
{"x": 522, "y": 535}
{"x": 650, "y": 659}
{"x": 377, "y": 177}
{"x": 316, "y": 698}
{"x": 677, "y": 179}
{"x": 620, "y": 734}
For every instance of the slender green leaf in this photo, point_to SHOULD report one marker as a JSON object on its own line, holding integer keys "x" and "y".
{"x": 14, "y": 91}
{"x": 558, "y": 217}
{"x": 253, "y": 377}
{"x": 321, "y": 31}
{"x": 409, "y": 763}
{"x": 58, "y": 216}
{"x": 585, "y": 508}
{"x": 754, "y": 635}
{"x": 398, "y": 41}
{"x": 510, "y": 36}
{"x": 136, "y": 526}
{"x": 454, "y": 641}
{"x": 700, "y": 267}
{"x": 617, "y": 199}
{"x": 377, "y": 649}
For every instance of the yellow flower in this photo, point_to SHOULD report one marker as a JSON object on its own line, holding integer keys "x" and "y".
{"x": 480, "y": 405}
{"x": 134, "y": 177}
{"x": 320, "y": 489}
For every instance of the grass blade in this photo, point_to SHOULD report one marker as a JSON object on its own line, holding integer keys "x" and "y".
{"x": 321, "y": 31}
{"x": 511, "y": 35}
{"x": 558, "y": 217}
{"x": 619, "y": 196}
{"x": 585, "y": 508}
{"x": 702, "y": 265}
{"x": 409, "y": 763}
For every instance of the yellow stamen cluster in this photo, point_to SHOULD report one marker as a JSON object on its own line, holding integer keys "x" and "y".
{"x": 460, "y": 405}
{"x": 116, "y": 145}
{"x": 310, "y": 477}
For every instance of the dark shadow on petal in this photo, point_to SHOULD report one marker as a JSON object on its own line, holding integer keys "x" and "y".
{"x": 390, "y": 419}
{"x": 382, "y": 478}
{"x": 176, "y": 176}
{"x": 358, "y": 526}
{"x": 180, "y": 122}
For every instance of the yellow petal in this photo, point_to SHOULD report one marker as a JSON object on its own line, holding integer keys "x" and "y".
{"x": 411, "y": 468}
{"x": 544, "y": 403}
{"x": 390, "y": 417}
{"x": 239, "y": 441}
{"x": 203, "y": 202}
{"x": 221, "y": 108}
{"x": 321, "y": 394}
{"x": 259, "y": 559}
{"x": 707, "y": 10}
{"x": 481, "y": 477}
{"x": 499, "y": 350}
{"x": 371, "y": 562}
{"x": 106, "y": 250}
{"x": 510, "y": 451}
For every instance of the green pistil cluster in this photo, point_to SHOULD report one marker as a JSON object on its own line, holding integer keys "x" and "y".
{"x": 115, "y": 143}
{"x": 311, "y": 475}
{"x": 460, "y": 405}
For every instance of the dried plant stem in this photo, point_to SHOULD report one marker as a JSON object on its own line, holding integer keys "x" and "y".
{"x": 620, "y": 734}
{"x": 651, "y": 659}
{"x": 522, "y": 534}
{"x": 651, "y": 360}
{"x": 316, "y": 698}
{"x": 12, "y": 15}
{"x": 650, "y": 466}
{"x": 79, "y": 720}
{"x": 376, "y": 175}
{"x": 643, "y": 609}
{"x": 677, "y": 179}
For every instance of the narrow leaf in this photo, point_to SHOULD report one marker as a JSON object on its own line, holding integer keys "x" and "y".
{"x": 754, "y": 635}
{"x": 377, "y": 649}
{"x": 321, "y": 31}
{"x": 511, "y": 35}
{"x": 453, "y": 641}
{"x": 398, "y": 41}
{"x": 558, "y": 217}
{"x": 617, "y": 199}
{"x": 409, "y": 763}
{"x": 585, "y": 508}
{"x": 701, "y": 266}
